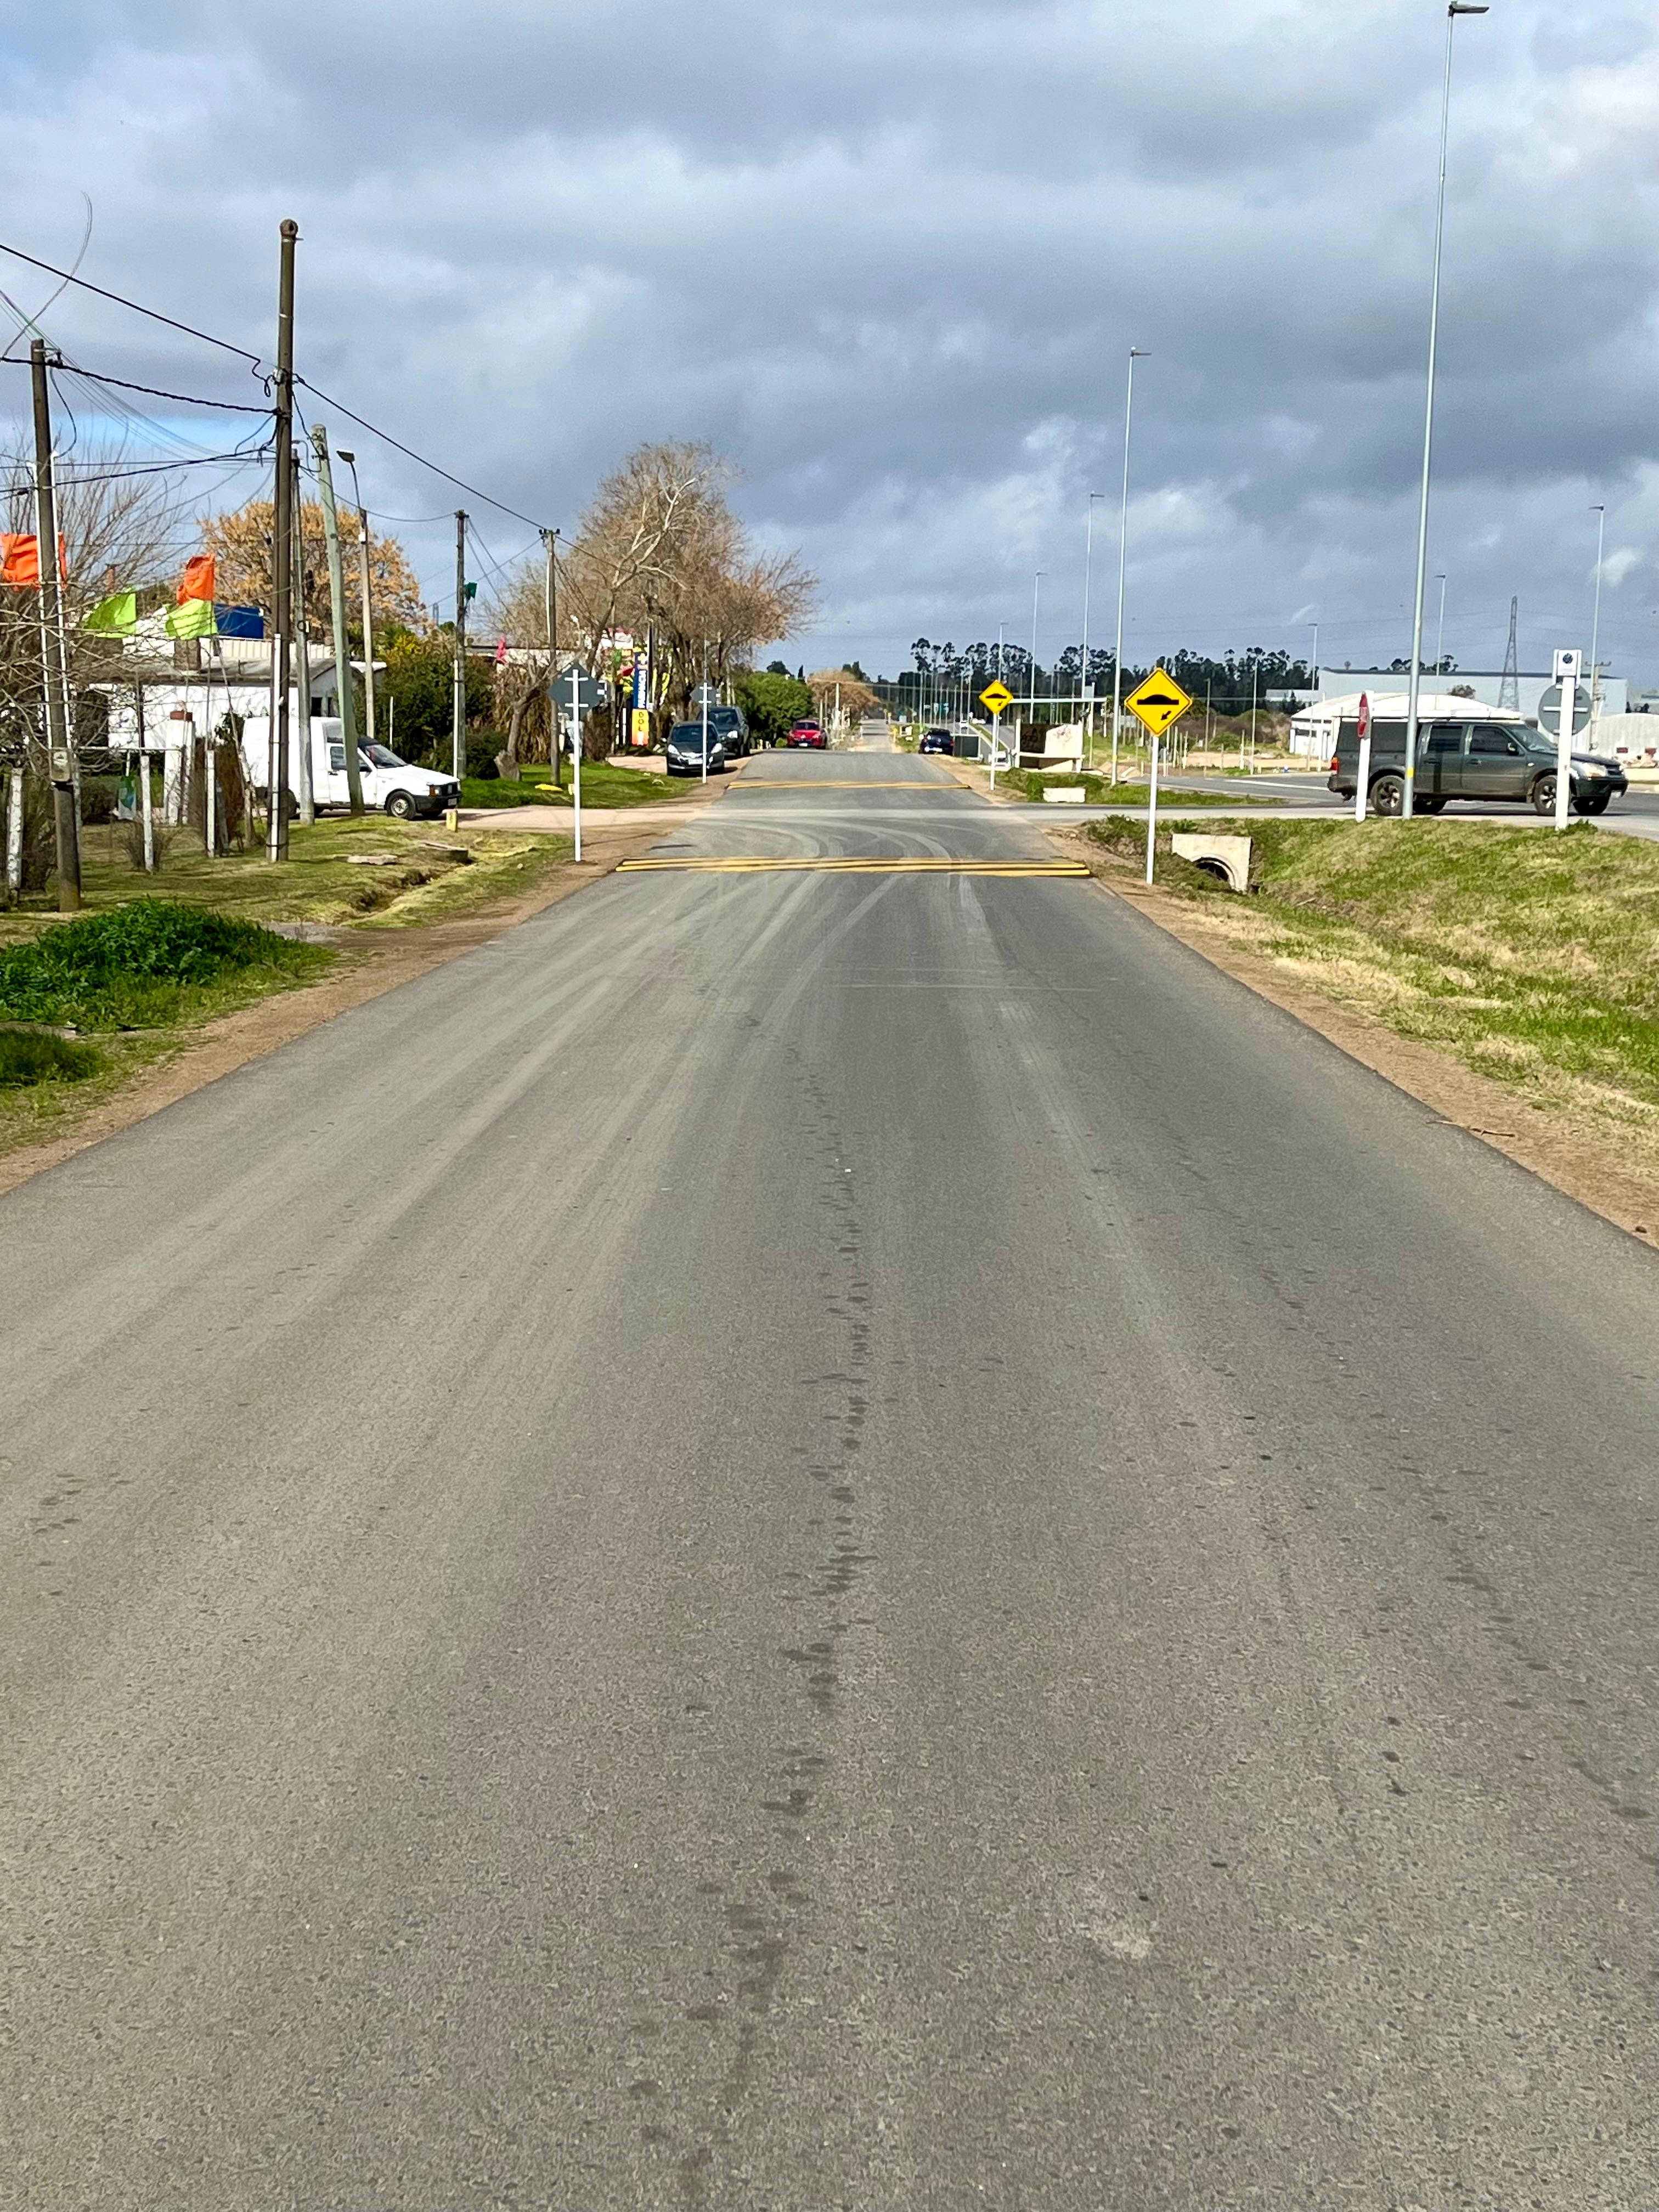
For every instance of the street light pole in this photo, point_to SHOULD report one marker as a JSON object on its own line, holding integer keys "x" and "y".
{"x": 1595, "y": 626}
{"x": 1440, "y": 635}
{"x": 1135, "y": 355}
{"x": 351, "y": 460}
{"x": 1085, "y": 693}
{"x": 1456, "y": 9}
{"x": 1037, "y": 586}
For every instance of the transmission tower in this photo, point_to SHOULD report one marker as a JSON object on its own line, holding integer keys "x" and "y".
{"x": 1509, "y": 691}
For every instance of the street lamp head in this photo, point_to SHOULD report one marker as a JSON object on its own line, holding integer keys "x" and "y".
{"x": 1467, "y": 8}
{"x": 350, "y": 460}
{"x": 1139, "y": 353}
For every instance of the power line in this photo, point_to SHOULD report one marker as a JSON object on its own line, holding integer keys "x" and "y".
{"x": 154, "y": 391}
{"x": 83, "y": 284}
{"x": 409, "y": 452}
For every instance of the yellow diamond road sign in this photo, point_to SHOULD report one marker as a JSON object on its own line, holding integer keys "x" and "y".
{"x": 995, "y": 696}
{"x": 1158, "y": 702}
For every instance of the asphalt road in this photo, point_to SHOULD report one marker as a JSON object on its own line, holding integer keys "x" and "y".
{"x": 811, "y": 1540}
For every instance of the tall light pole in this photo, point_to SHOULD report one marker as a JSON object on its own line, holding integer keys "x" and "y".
{"x": 1456, "y": 9}
{"x": 1135, "y": 354}
{"x": 1440, "y": 635}
{"x": 1600, "y": 513}
{"x": 1036, "y": 586}
{"x": 351, "y": 460}
{"x": 1085, "y": 693}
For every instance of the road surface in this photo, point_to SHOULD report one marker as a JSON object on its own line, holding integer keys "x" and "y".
{"x": 805, "y": 1540}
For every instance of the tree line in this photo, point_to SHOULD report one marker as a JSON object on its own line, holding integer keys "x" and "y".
{"x": 1230, "y": 683}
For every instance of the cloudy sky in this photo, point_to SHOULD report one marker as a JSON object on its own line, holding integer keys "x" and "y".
{"x": 891, "y": 259}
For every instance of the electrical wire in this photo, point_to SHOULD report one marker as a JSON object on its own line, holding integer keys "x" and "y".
{"x": 409, "y": 454}
{"x": 155, "y": 314}
{"x": 154, "y": 391}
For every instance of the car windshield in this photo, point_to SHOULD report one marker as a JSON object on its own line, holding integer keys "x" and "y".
{"x": 379, "y": 756}
{"x": 691, "y": 733}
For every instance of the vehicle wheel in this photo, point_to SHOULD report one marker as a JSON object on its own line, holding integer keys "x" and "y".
{"x": 401, "y": 806}
{"x": 1599, "y": 804}
{"x": 1543, "y": 795}
{"x": 1388, "y": 795}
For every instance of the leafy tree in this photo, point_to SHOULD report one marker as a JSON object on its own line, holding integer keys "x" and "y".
{"x": 419, "y": 676}
{"x": 772, "y": 699}
{"x": 242, "y": 544}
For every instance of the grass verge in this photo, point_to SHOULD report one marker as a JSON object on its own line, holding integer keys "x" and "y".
{"x": 139, "y": 976}
{"x": 339, "y": 871}
{"x": 605, "y": 783}
{"x": 1528, "y": 955}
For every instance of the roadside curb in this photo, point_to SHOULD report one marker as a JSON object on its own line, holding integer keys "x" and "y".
{"x": 1588, "y": 1169}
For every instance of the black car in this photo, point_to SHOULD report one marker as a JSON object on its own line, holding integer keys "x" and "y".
{"x": 937, "y": 741}
{"x": 684, "y": 749}
{"x": 1486, "y": 761}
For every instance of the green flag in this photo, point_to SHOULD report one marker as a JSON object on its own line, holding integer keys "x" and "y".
{"x": 115, "y": 617}
{"x": 194, "y": 618}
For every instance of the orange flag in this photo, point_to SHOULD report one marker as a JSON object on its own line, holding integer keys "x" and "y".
{"x": 20, "y": 559}
{"x": 197, "y": 580}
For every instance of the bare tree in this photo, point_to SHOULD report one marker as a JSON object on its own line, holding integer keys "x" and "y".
{"x": 122, "y": 531}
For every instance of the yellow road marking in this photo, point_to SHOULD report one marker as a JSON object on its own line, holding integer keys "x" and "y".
{"x": 847, "y": 864}
{"x": 838, "y": 783}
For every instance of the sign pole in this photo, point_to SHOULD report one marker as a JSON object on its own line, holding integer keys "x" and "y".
{"x": 1151, "y": 813}
{"x": 576, "y": 761}
{"x": 1363, "y": 787}
{"x": 1567, "y": 675}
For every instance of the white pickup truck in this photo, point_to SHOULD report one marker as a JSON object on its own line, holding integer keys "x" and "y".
{"x": 389, "y": 783}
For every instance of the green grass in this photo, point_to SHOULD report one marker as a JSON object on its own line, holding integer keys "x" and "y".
{"x": 1099, "y": 792}
{"x": 152, "y": 964}
{"x": 1531, "y": 955}
{"x": 605, "y": 783}
{"x": 32, "y": 1056}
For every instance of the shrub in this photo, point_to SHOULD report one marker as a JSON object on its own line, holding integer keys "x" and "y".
{"x": 132, "y": 842}
{"x": 137, "y": 965}
{"x": 482, "y": 747}
{"x": 29, "y": 1056}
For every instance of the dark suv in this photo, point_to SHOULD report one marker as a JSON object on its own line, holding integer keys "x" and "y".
{"x": 1486, "y": 761}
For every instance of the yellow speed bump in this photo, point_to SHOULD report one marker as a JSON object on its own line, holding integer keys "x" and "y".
{"x": 741, "y": 864}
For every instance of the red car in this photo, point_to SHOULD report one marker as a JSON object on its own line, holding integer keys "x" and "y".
{"x": 809, "y": 733}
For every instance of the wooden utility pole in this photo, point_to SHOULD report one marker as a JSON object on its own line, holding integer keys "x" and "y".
{"x": 551, "y": 609}
{"x": 281, "y": 549}
{"x": 302, "y": 641}
{"x": 55, "y": 685}
{"x": 343, "y": 693}
{"x": 459, "y": 705}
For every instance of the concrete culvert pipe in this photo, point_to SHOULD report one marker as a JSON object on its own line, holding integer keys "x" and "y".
{"x": 1227, "y": 859}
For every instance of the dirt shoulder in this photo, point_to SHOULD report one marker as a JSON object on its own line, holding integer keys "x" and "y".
{"x": 372, "y": 960}
{"x": 1607, "y": 1175}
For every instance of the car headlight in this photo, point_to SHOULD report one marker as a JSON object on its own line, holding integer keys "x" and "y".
{"x": 1593, "y": 768}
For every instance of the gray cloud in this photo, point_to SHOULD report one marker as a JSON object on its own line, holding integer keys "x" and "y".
{"x": 892, "y": 259}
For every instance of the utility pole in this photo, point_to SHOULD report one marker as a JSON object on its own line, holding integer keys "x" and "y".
{"x": 459, "y": 710}
{"x": 302, "y": 640}
{"x": 351, "y": 460}
{"x": 550, "y": 615}
{"x": 1595, "y": 624}
{"x": 1509, "y": 688}
{"x": 347, "y": 704}
{"x": 281, "y": 550}
{"x": 1135, "y": 354}
{"x": 65, "y": 813}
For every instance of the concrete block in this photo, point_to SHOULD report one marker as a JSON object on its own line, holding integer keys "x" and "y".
{"x": 1065, "y": 794}
{"x": 1225, "y": 858}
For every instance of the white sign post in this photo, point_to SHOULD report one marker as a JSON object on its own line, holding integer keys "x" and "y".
{"x": 1567, "y": 667}
{"x": 1151, "y": 812}
{"x": 1363, "y": 788}
{"x": 576, "y": 718}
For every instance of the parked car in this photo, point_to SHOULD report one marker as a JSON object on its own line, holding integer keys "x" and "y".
{"x": 389, "y": 782}
{"x": 684, "y": 749}
{"x": 937, "y": 741}
{"x": 808, "y": 732}
{"x": 1485, "y": 762}
{"x": 732, "y": 726}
